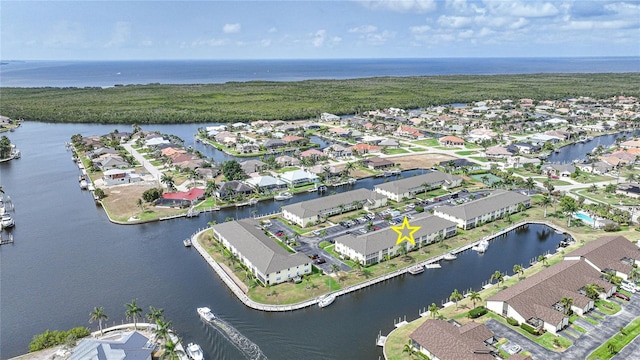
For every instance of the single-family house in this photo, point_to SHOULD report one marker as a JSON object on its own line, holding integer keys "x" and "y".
{"x": 628, "y": 189}
{"x": 312, "y": 211}
{"x": 378, "y": 163}
{"x": 486, "y": 209}
{"x": 273, "y": 143}
{"x": 298, "y": 177}
{"x": 561, "y": 170}
{"x": 407, "y": 188}
{"x": 389, "y": 143}
{"x": 266, "y": 183}
{"x": 376, "y": 246}
{"x": 286, "y": 160}
{"x": 181, "y": 198}
{"x": 337, "y": 151}
{"x": 233, "y": 188}
{"x": 107, "y": 161}
{"x": 450, "y": 141}
{"x": 439, "y": 339}
{"x": 408, "y": 132}
{"x": 312, "y": 153}
{"x": 118, "y": 345}
{"x": 120, "y": 176}
{"x": 498, "y": 152}
{"x": 363, "y": 148}
{"x": 252, "y": 166}
{"x": 633, "y": 143}
{"x": 329, "y": 117}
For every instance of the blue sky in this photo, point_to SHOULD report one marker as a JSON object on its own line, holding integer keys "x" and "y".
{"x": 124, "y": 30}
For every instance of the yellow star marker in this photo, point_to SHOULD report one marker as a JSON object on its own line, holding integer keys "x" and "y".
{"x": 405, "y": 231}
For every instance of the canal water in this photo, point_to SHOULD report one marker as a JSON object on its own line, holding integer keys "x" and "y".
{"x": 68, "y": 258}
{"x": 578, "y": 151}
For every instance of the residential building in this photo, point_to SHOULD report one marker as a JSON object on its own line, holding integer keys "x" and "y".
{"x": 266, "y": 183}
{"x": 609, "y": 254}
{"x": 233, "y": 188}
{"x": 122, "y": 345}
{"x": 563, "y": 170}
{"x": 498, "y": 152}
{"x": 407, "y": 188}
{"x": 269, "y": 262}
{"x": 451, "y": 141}
{"x": 298, "y": 177}
{"x": 378, "y": 163}
{"x": 375, "y": 246}
{"x": 181, "y": 198}
{"x": 252, "y": 166}
{"x": 312, "y": 211}
{"x": 120, "y": 176}
{"x": 337, "y": 151}
{"x": 439, "y": 339}
{"x": 486, "y": 209}
{"x": 329, "y": 117}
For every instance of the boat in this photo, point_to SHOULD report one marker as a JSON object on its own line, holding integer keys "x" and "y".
{"x": 206, "y": 314}
{"x": 84, "y": 185}
{"x": 192, "y": 213}
{"x": 187, "y": 242}
{"x": 449, "y": 256}
{"x": 6, "y": 221}
{"x": 481, "y": 247}
{"x": 283, "y": 196}
{"x": 326, "y": 300}
{"x": 415, "y": 270}
{"x": 322, "y": 188}
{"x": 195, "y": 351}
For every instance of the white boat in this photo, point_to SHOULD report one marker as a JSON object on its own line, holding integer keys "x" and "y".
{"x": 84, "y": 184}
{"x": 326, "y": 300}
{"x": 415, "y": 270}
{"x": 195, "y": 351}
{"x": 186, "y": 242}
{"x": 206, "y": 314}
{"x": 449, "y": 256}
{"x": 7, "y": 221}
{"x": 481, "y": 247}
{"x": 283, "y": 196}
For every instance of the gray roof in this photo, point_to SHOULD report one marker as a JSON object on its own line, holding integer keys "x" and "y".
{"x": 132, "y": 346}
{"x": 383, "y": 239}
{"x": 404, "y": 185}
{"x": 608, "y": 252}
{"x": 261, "y": 250}
{"x": 449, "y": 342}
{"x": 497, "y": 200}
{"x": 314, "y": 207}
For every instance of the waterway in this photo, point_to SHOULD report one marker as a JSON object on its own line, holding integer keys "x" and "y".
{"x": 578, "y": 151}
{"x": 68, "y": 258}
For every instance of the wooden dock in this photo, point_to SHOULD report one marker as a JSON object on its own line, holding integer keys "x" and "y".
{"x": 6, "y": 240}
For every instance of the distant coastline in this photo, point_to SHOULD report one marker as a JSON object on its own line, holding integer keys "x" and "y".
{"x": 18, "y": 73}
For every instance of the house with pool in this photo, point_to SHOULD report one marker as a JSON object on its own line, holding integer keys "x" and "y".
{"x": 486, "y": 209}
{"x": 269, "y": 262}
{"x": 313, "y": 211}
{"x": 373, "y": 247}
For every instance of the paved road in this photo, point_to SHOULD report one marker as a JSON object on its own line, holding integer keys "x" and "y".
{"x": 588, "y": 342}
{"x": 152, "y": 169}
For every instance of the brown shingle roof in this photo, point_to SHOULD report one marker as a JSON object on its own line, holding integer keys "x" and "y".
{"x": 449, "y": 342}
{"x": 607, "y": 252}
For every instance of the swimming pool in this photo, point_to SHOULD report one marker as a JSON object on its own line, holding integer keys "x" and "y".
{"x": 584, "y": 217}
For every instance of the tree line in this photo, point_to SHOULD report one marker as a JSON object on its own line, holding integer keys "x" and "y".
{"x": 262, "y": 100}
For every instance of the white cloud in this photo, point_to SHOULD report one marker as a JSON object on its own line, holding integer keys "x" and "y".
{"x": 454, "y": 21}
{"x": 419, "y": 6}
{"x": 214, "y": 42}
{"x": 272, "y": 30}
{"x": 231, "y": 28}
{"x": 65, "y": 34}
{"x": 600, "y": 25}
{"x": 121, "y": 34}
{"x": 522, "y": 9}
{"x": 380, "y": 38}
{"x": 419, "y": 29}
{"x": 364, "y": 29}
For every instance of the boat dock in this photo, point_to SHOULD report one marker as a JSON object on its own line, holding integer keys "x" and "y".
{"x": 6, "y": 240}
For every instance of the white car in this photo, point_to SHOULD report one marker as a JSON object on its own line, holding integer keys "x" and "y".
{"x": 628, "y": 288}
{"x": 630, "y": 285}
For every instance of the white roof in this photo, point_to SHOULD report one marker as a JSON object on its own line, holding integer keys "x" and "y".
{"x": 297, "y": 175}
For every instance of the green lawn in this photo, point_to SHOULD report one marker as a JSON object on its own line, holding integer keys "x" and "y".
{"x": 608, "y": 307}
{"x": 607, "y": 198}
{"x": 478, "y": 158}
{"x": 617, "y": 342}
{"x": 396, "y": 151}
{"x": 427, "y": 142}
{"x": 466, "y": 152}
{"x": 490, "y": 178}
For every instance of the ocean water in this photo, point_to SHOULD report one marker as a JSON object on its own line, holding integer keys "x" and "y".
{"x": 110, "y": 73}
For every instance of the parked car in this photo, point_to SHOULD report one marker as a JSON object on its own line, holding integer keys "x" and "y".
{"x": 363, "y": 231}
{"x": 629, "y": 288}
{"x": 621, "y": 296}
{"x": 370, "y": 216}
{"x": 631, "y": 285}
{"x": 314, "y": 256}
{"x": 279, "y": 233}
{"x": 376, "y": 228}
{"x": 320, "y": 261}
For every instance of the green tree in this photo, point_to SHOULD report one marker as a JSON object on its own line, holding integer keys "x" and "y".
{"x": 474, "y": 296}
{"x": 518, "y": 269}
{"x": 98, "y": 315}
{"x": 529, "y": 184}
{"x": 569, "y": 207}
{"x": 545, "y": 202}
{"x": 542, "y": 259}
{"x": 433, "y": 310}
{"x": 456, "y": 296}
{"x": 497, "y": 276}
{"x": 408, "y": 349}
{"x": 334, "y": 268}
{"x": 133, "y": 311}
{"x": 168, "y": 181}
{"x": 566, "y": 302}
{"x": 155, "y": 314}
{"x": 232, "y": 170}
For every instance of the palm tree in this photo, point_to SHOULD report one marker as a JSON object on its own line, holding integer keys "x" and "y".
{"x": 334, "y": 268}
{"x": 133, "y": 311}
{"x": 168, "y": 181}
{"x": 433, "y": 310}
{"x": 566, "y": 302}
{"x": 497, "y": 276}
{"x": 456, "y": 296}
{"x": 474, "y": 296}
{"x": 349, "y": 168}
{"x": 518, "y": 269}
{"x": 98, "y": 315}
{"x": 211, "y": 189}
{"x": 408, "y": 349}
{"x": 543, "y": 259}
{"x": 155, "y": 314}
{"x": 592, "y": 291}
{"x": 545, "y": 202}
{"x": 529, "y": 184}
{"x": 162, "y": 330}
{"x": 169, "y": 348}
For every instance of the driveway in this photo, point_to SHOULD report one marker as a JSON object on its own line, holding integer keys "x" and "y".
{"x": 587, "y": 343}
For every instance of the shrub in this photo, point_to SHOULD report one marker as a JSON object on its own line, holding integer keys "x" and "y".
{"x": 530, "y": 329}
{"x": 152, "y": 194}
{"x": 477, "y": 312}
{"x": 611, "y": 227}
{"x": 513, "y": 322}
{"x": 53, "y": 338}
{"x": 419, "y": 209}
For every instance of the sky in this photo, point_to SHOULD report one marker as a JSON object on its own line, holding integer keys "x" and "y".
{"x": 168, "y": 30}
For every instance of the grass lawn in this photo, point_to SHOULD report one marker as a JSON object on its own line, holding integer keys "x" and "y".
{"x": 427, "y": 142}
{"x": 466, "y": 152}
{"x": 608, "y": 307}
{"x": 479, "y": 158}
{"x": 416, "y": 149}
{"x": 490, "y": 178}
{"x": 617, "y": 342}
{"x": 578, "y": 328}
{"x": 396, "y": 151}
{"x": 587, "y": 178}
{"x": 607, "y": 198}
